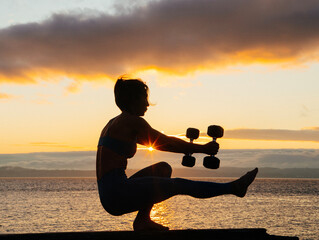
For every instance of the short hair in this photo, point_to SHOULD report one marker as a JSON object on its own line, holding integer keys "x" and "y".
{"x": 127, "y": 91}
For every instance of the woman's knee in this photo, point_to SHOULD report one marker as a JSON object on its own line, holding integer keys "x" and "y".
{"x": 165, "y": 169}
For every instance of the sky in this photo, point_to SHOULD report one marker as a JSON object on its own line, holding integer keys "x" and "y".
{"x": 250, "y": 66}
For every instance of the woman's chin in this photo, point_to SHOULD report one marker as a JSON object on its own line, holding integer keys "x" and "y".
{"x": 142, "y": 113}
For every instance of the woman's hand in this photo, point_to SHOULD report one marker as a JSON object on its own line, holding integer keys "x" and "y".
{"x": 211, "y": 148}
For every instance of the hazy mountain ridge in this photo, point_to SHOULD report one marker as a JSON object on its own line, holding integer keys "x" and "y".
{"x": 244, "y": 158}
{"x": 9, "y": 171}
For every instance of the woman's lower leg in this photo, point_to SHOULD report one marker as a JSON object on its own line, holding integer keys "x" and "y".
{"x": 200, "y": 189}
{"x": 143, "y": 220}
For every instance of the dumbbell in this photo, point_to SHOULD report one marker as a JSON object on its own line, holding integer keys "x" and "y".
{"x": 215, "y": 132}
{"x": 188, "y": 159}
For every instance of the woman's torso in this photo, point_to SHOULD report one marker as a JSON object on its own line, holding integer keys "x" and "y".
{"x": 117, "y": 143}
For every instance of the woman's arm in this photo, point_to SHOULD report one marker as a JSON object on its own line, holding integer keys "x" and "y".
{"x": 150, "y": 137}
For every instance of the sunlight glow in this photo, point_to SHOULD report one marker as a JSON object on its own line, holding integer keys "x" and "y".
{"x": 151, "y": 149}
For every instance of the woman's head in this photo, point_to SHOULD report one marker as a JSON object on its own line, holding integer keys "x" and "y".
{"x": 131, "y": 95}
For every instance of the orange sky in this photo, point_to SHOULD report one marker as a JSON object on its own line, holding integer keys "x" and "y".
{"x": 250, "y": 66}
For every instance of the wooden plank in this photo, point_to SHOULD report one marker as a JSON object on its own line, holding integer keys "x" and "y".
{"x": 191, "y": 234}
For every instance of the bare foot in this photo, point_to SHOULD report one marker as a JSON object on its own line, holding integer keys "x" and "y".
{"x": 240, "y": 185}
{"x": 148, "y": 225}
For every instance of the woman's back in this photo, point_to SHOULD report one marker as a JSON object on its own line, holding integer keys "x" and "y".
{"x": 117, "y": 143}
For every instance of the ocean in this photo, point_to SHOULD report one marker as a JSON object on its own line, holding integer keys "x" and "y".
{"x": 286, "y": 207}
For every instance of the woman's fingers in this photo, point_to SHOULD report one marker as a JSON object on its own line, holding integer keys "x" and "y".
{"x": 211, "y": 148}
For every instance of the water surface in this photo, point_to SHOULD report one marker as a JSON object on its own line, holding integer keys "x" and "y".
{"x": 287, "y": 207}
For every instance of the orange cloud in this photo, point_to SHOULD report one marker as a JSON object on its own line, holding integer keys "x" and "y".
{"x": 311, "y": 128}
{"x": 73, "y": 87}
{"x": 5, "y": 96}
{"x": 311, "y": 135}
{"x": 175, "y": 36}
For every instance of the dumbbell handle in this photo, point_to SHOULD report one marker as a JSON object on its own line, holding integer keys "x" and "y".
{"x": 211, "y": 161}
{"x": 191, "y": 141}
{"x": 188, "y": 160}
{"x": 214, "y": 140}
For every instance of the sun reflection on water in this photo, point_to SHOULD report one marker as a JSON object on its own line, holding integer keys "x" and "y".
{"x": 162, "y": 213}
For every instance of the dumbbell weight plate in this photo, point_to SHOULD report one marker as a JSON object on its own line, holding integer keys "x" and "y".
{"x": 215, "y": 131}
{"x": 188, "y": 161}
{"x": 211, "y": 162}
{"x": 192, "y": 133}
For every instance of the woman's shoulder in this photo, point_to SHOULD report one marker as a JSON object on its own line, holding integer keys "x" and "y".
{"x": 138, "y": 121}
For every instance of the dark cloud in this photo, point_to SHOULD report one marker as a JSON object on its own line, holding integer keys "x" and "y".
{"x": 179, "y": 36}
{"x": 275, "y": 158}
{"x": 274, "y": 134}
{"x": 289, "y": 160}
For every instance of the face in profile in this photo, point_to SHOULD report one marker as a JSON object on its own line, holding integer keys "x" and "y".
{"x": 140, "y": 106}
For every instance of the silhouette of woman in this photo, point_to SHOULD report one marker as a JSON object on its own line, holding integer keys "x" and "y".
{"x": 153, "y": 184}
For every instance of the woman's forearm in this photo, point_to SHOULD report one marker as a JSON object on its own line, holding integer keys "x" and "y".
{"x": 173, "y": 144}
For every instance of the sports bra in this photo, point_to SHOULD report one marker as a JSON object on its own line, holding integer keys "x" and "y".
{"x": 127, "y": 149}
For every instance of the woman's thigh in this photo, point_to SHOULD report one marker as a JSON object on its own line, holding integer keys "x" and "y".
{"x": 120, "y": 195}
{"x": 161, "y": 169}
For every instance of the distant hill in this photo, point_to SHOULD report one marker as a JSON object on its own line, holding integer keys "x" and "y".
{"x": 9, "y": 171}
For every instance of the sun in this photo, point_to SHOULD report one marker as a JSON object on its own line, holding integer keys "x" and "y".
{"x": 151, "y": 149}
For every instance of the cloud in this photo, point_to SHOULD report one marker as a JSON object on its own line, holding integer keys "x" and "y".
{"x": 74, "y": 87}
{"x": 309, "y": 134}
{"x": 5, "y": 96}
{"x": 311, "y": 128}
{"x": 178, "y": 36}
{"x": 275, "y": 158}
{"x": 290, "y": 160}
